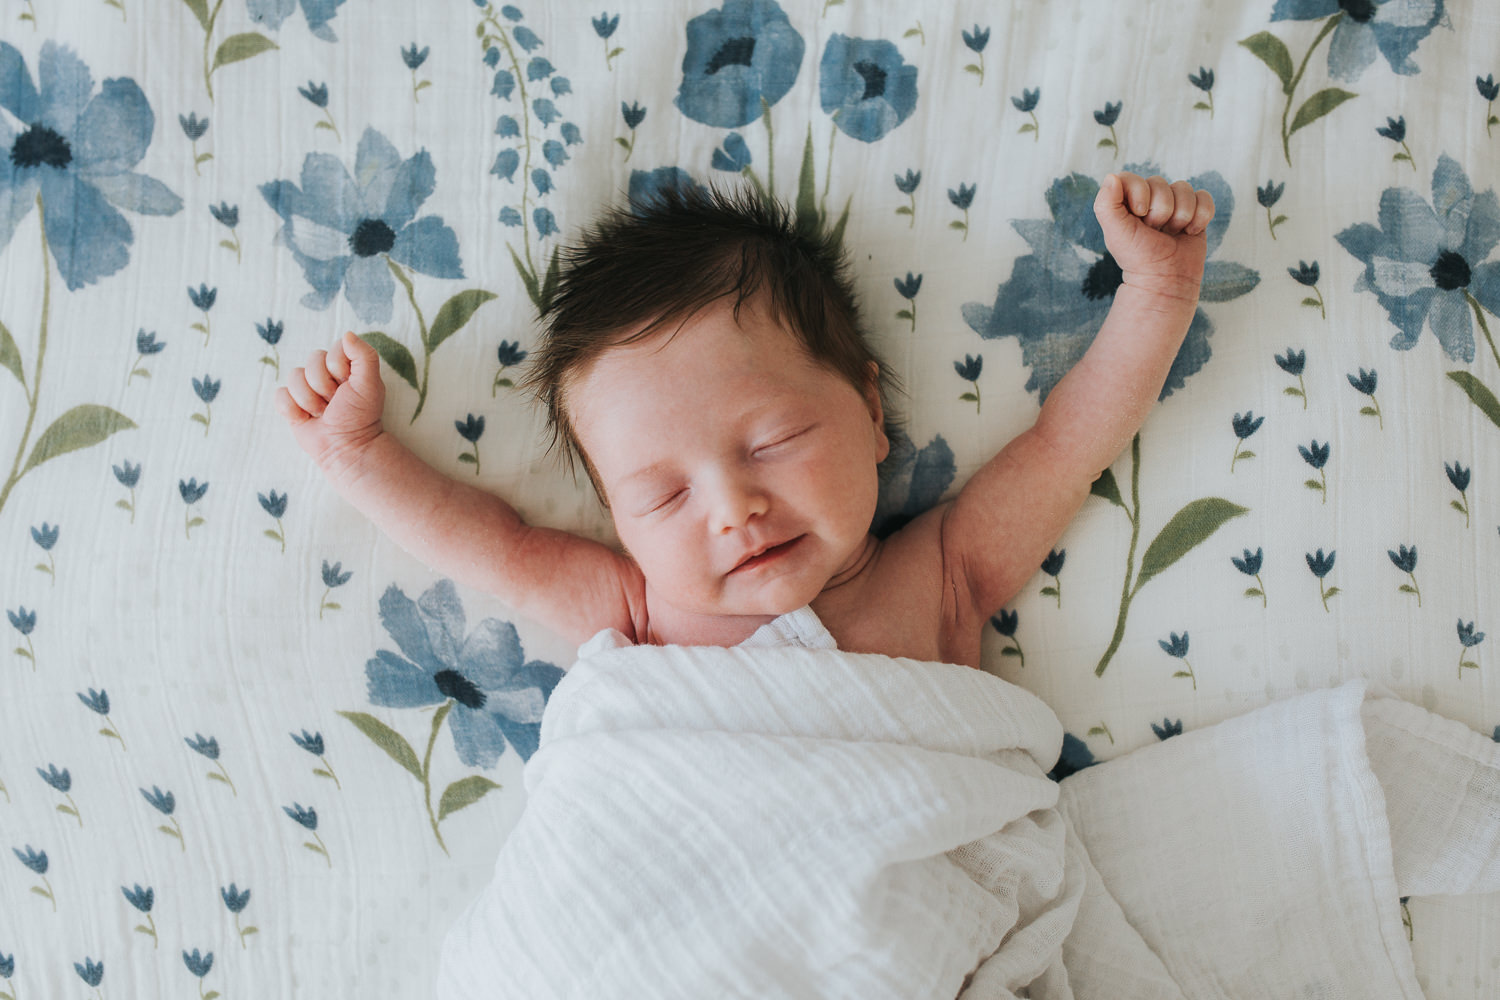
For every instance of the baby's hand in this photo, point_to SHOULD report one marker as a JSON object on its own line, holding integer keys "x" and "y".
{"x": 334, "y": 404}
{"x": 1154, "y": 230}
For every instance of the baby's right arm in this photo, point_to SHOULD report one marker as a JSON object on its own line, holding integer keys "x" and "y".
{"x": 569, "y": 584}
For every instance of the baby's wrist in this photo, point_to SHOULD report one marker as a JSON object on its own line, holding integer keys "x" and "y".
{"x": 349, "y": 459}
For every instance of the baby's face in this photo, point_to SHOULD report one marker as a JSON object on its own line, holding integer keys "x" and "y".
{"x": 741, "y": 474}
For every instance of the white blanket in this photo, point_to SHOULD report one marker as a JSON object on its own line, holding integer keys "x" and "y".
{"x": 813, "y": 823}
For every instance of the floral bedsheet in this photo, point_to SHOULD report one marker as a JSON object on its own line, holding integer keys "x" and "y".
{"x": 250, "y": 748}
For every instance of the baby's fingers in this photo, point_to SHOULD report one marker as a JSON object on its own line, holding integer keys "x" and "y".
{"x": 1184, "y": 204}
{"x": 290, "y": 411}
{"x": 303, "y": 395}
{"x": 318, "y": 375}
{"x": 1203, "y": 214}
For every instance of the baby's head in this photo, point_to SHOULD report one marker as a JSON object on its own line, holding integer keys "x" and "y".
{"x": 643, "y": 271}
{"x": 703, "y": 359}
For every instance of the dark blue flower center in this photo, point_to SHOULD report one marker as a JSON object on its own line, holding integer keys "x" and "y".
{"x": 458, "y": 687}
{"x": 371, "y": 236}
{"x": 1451, "y": 271}
{"x": 734, "y": 52}
{"x": 40, "y": 146}
{"x": 1359, "y": 11}
{"x": 1103, "y": 278}
{"x": 874, "y": 78}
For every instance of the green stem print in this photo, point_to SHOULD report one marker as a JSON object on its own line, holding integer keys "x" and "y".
{"x": 452, "y": 316}
{"x": 1187, "y": 529}
{"x": 1103, "y": 730}
{"x": 1273, "y": 52}
{"x": 463, "y": 792}
{"x": 235, "y": 48}
{"x": 81, "y": 426}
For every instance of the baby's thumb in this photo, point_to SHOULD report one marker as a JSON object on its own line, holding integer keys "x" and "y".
{"x": 364, "y": 361}
{"x": 1109, "y": 205}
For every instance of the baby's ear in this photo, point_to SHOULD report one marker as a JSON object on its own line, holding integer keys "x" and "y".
{"x": 876, "y": 409}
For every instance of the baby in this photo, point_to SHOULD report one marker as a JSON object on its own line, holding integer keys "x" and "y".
{"x": 734, "y": 437}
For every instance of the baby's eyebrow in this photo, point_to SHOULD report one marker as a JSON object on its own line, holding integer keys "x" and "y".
{"x": 654, "y": 471}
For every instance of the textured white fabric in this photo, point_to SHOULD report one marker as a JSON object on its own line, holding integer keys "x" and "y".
{"x": 792, "y": 822}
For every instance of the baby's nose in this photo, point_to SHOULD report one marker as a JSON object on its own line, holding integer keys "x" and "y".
{"x": 736, "y": 501}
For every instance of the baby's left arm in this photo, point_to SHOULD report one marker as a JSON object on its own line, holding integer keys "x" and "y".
{"x": 1007, "y": 517}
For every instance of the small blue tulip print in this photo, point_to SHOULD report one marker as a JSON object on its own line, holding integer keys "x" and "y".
{"x": 317, "y": 96}
{"x": 1406, "y": 562}
{"x": 962, "y": 199}
{"x": 1250, "y": 566}
{"x": 62, "y": 781}
{"x": 146, "y": 345}
{"x": 1458, "y": 476}
{"x": 203, "y": 298}
{"x": 1395, "y": 130}
{"x": 209, "y": 747}
{"x": 198, "y": 965}
{"x": 206, "y": 390}
{"x": 192, "y": 126}
{"x": 235, "y": 901}
{"x": 127, "y": 475}
{"x": 1366, "y": 383}
{"x": 1107, "y": 118}
{"x": 509, "y": 355}
{"x": 1293, "y": 363}
{"x": 191, "y": 493}
{"x": 908, "y": 290}
{"x": 1167, "y": 729}
{"x": 1467, "y": 639}
{"x": 1489, "y": 90}
{"x": 907, "y": 185}
{"x": 90, "y": 971}
{"x": 1177, "y": 646}
{"x": 1306, "y": 274}
{"x": 976, "y": 40}
{"x": 228, "y": 216}
{"x": 46, "y": 537}
{"x": 633, "y": 114}
{"x": 968, "y": 369}
{"x": 470, "y": 429}
{"x": 1204, "y": 81}
{"x": 24, "y": 622}
{"x": 1006, "y": 623}
{"x": 414, "y": 58}
{"x": 143, "y": 900}
{"x": 1268, "y": 196}
{"x": 313, "y": 744}
{"x": 275, "y": 505}
{"x": 307, "y": 817}
{"x": 1026, "y": 104}
{"x": 166, "y": 804}
{"x": 98, "y": 702}
{"x": 1321, "y": 566}
{"x": 270, "y": 332}
{"x": 1052, "y": 566}
{"x": 332, "y": 577}
{"x": 37, "y": 862}
{"x": 1244, "y": 424}
{"x": 1317, "y": 456}
{"x": 8, "y": 966}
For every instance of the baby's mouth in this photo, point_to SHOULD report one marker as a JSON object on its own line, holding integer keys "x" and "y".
{"x": 767, "y": 556}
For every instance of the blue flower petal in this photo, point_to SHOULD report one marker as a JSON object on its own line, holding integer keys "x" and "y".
{"x": 412, "y": 183}
{"x": 1071, "y": 200}
{"x": 1483, "y": 231}
{"x": 866, "y": 85}
{"x": 524, "y": 736}
{"x": 491, "y": 654}
{"x": 393, "y": 682}
{"x": 17, "y": 93}
{"x": 399, "y": 615}
{"x": 1484, "y": 285}
{"x": 443, "y": 615}
{"x": 65, "y": 84}
{"x": 1410, "y": 224}
{"x": 1351, "y": 50}
{"x": 477, "y": 736}
{"x": 17, "y": 195}
{"x": 737, "y": 56}
{"x": 369, "y": 287}
{"x": 376, "y": 162}
{"x": 1399, "y": 27}
{"x": 270, "y": 12}
{"x": 1452, "y": 326}
{"x": 506, "y": 163}
{"x": 430, "y": 247}
{"x": 1224, "y": 280}
{"x": 328, "y": 195}
{"x": 138, "y": 193}
{"x": 113, "y": 130}
{"x": 89, "y": 238}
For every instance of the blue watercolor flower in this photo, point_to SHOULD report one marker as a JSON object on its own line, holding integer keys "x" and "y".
{"x": 1204, "y": 80}
{"x": 733, "y": 155}
{"x": 470, "y": 429}
{"x": 1458, "y": 475}
{"x": 141, "y": 899}
{"x": 191, "y": 491}
{"x": 1246, "y": 424}
{"x": 1365, "y": 383}
{"x": 1006, "y": 622}
{"x": 1293, "y": 362}
{"x": 1391, "y": 28}
{"x": 1320, "y": 564}
{"x": 192, "y": 126}
{"x": 206, "y": 745}
{"x": 1468, "y": 636}
{"x": 203, "y": 297}
{"x": 1270, "y": 194}
{"x": 96, "y": 700}
{"x": 90, "y": 971}
{"x": 505, "y": 81}
{"x": 510, "y": 353}
{"x": 1074, "y": 757}
{"x": 542, "y": 180}
{"x": 146, "y": 343}
{"x": 198, "y": 965}
{"x": 909, "y": 288}
{"x": 60, "y": 780}
{"x": 227, "y": 214}
{"x": 1178, "y": 646}
{"x": 866, "y": 86}
{"x": 413, "y": 57}
{"x": 978, "y": 39}
{"x": 908, "y": 184}
{"x": 1304, "y": 274}
{"x": 604, "y": 25}
{"x": 969, "y": 368}
{"x": 1250, "y": 565}
{"x": 545, "y": 222}
{"x": 1394, "y": 129}
{"x": 270, "y": 332}
{"x": 1167, "y": 729}
{"x": 1110, "y": 114}
{"x": 571, "y": 135}
{"x": 233, "y": 898}
{"x": 511, "y": 12}
{"x": 272, "y": 13}
{"x": 8, "y": 962}
{"x": 76, "y": 150}
{"x": 912, "y": 481}
{"x": 1028, "y": 100}
{"x": 555, "y": 153}
{"x": 741, "y": 57}
{"x": 633, "y": 115}
{"x": 127, "y": 475}
{"x": 1317, "y": 455}
{"x": 342, "y": 231}
{"x": 164, "y": 802}
{"x": 24, "y": 621}
{"x": 1487, "y": 87}
{"x": 332, "y": 577}
{"x": 963, "y": 197}
{"x": 304, "y": 816}
{"x": 646, "y": 185}
{"x": 526, "y": 38}
{"x": 275, "y": 504}
{"x": 1424, "y": 265}
{"x": 1406, "y": 561}
{"x": 45, "y": 536}
{"x": 497, "y": 694}
{"x": 35, "y": 860}
{"x": 539, "y": 68}
{"x": 312, "y": 743}
{"x": 316, "y": 94}
{"x": 207, "y": 389}
{"x": 1058, "y": 295}
{"x": 506, "y": 127}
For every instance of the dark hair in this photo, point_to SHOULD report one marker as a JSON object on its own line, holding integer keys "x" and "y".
{"x": 661, "y": 258}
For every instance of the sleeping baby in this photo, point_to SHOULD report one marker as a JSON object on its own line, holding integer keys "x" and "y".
{"x": 704, "y": 359}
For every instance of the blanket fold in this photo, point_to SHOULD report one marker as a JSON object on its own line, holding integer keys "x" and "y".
{"x": 813, "y": 823}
